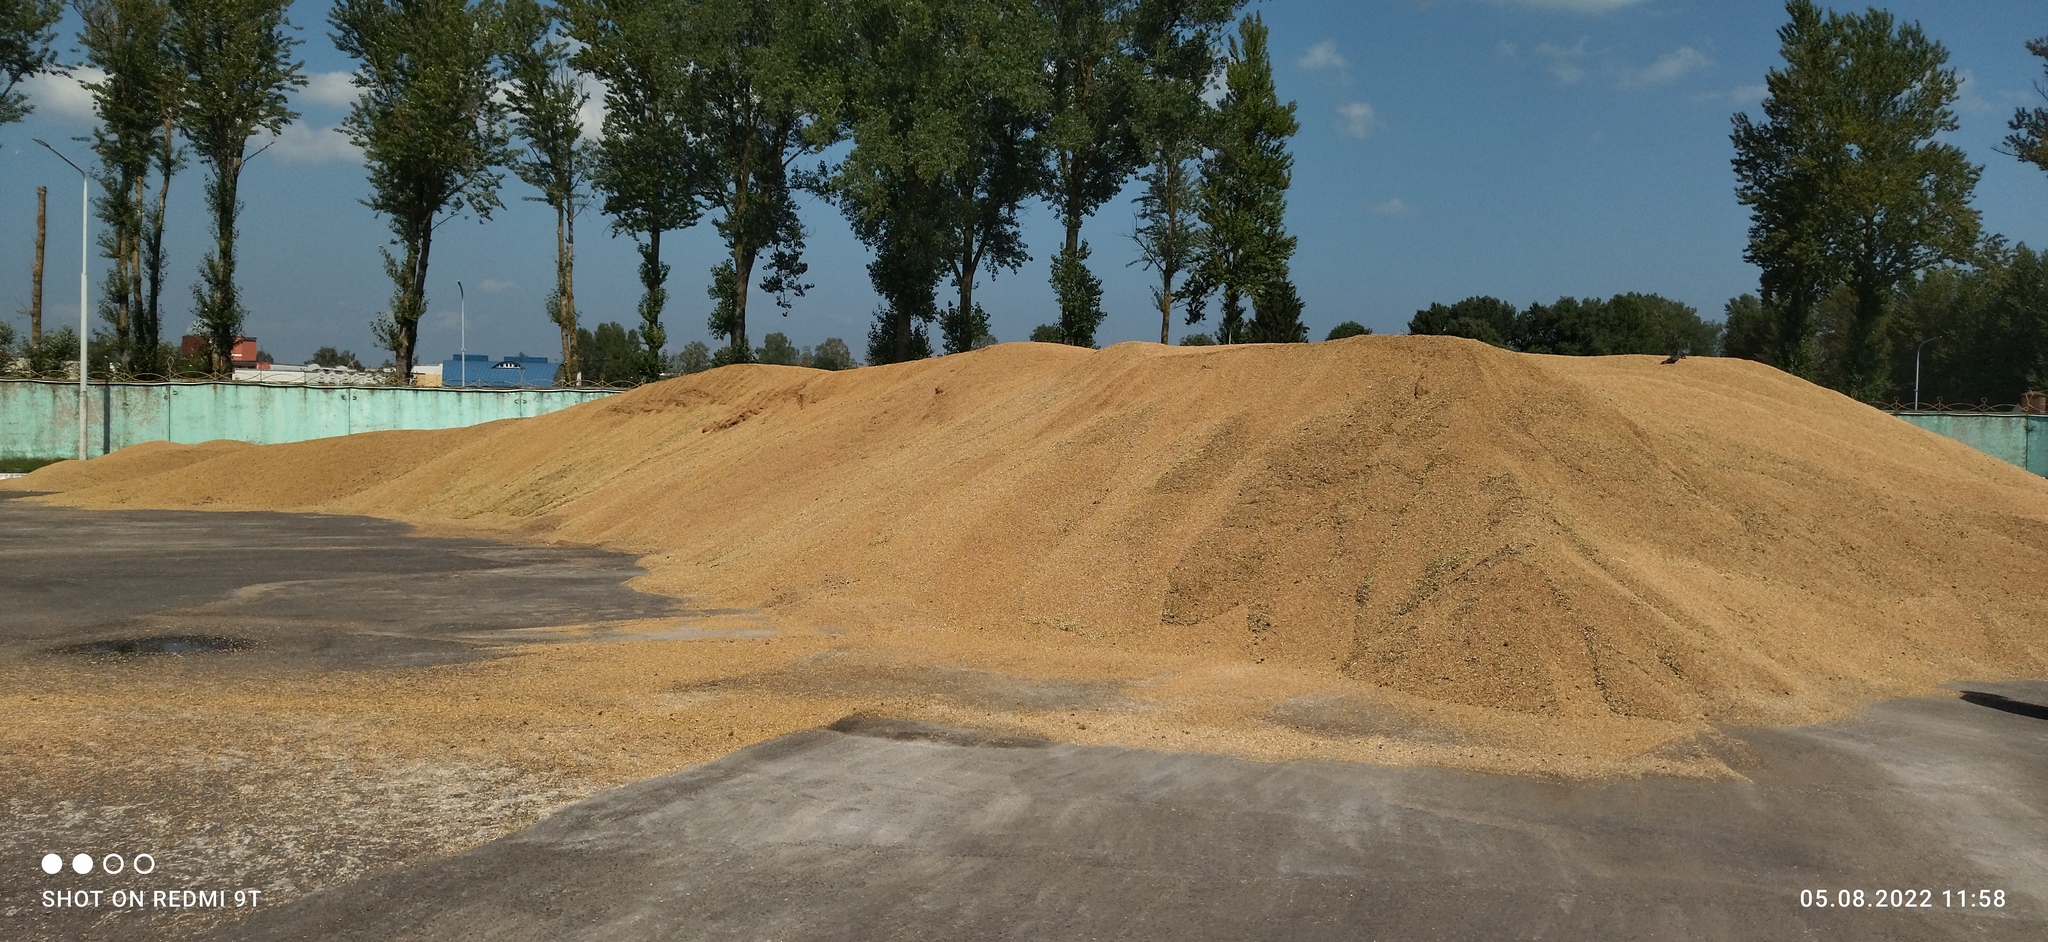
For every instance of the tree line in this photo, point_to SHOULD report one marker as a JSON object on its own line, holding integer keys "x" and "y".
{"x": 1874, "y": 270}
{"x": 957, "y": 113}
{"x": 1871, "y": 256}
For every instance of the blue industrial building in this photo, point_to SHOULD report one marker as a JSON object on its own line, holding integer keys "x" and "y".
{"x": 476, "y": 369}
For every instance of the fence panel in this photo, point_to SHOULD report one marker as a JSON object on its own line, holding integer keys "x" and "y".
{"x": 39, "y": 418}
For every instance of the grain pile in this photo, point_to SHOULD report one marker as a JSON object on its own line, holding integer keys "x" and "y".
{"x": 1473, "y": 556}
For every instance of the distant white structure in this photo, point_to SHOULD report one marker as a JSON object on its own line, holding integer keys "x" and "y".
{"x": 279, "y": 374}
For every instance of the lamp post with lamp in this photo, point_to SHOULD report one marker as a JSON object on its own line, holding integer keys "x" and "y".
{"x": 1916, "y": 369}
{"x": 84, "y": 257}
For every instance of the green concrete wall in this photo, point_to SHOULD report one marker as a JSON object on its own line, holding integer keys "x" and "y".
{"x": 2012, "y": 437}
{"x": 39, "y": 419}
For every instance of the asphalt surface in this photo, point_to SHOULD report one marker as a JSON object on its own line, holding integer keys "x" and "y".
{"x": 877, "y": 829}
{"x": 297, "y": 589}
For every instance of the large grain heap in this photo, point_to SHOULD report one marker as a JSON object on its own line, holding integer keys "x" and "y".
{"x": 1355, "y": 541}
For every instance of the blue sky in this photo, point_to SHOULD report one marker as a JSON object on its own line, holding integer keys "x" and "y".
{"x": 1527, "y": 149}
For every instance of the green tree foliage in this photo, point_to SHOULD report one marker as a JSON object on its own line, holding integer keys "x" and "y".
{"x": 335, "y": 359}
{"x": 2029, "y": 138}
{"x": 56, "y": 354}
{"x": 832, "y": 354}
{"x": 1198, "y": 340}
{"x": 762, "y": 103}
{"x": 1348, "y": 329}
{"x": 138, "y": 103}
{"x": 1174, "y": 45}
{"x": 432, "y": 132}
{"x": 1751, "y": 331}
{"x": 1090, "y": 77}
{"x": 1243, "y": 194}
{"x": 1487, "y": 319}
{"x": 999, "y": 162}
{"x": 695, "y": 357}
{"x": 777, "y": 350}
{"x": 1847, "y": 183}
{"x": 1047, "y": 333}
{"x": 1625, "y": 323}
{"x": 649, "y": 160}
{"x": 545, "y": 98}
{"x": 611, "y": 355}
{"x": 1990, "y": 325}
{"x": 238, "y": 69}
{"x": 26, "y": 29}
{"x": 936, "y": 84}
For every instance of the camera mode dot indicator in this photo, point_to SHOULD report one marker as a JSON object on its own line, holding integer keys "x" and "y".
{"x": 82, "y": 863}
{"x": 52, "y": 863}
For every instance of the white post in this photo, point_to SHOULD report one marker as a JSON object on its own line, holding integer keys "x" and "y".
{"x": 462, "y": 324}
{"x": 1916, "y": 369}
{"x": 84, "y": 254}
{"x": 84, "y": 290}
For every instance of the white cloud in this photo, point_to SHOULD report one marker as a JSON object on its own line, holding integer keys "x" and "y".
{"x": 1564, "y": 60}
{"x": 331, "y": 89}
{"x": 1395, "y": 207}
{"x": 1967, "y": 99}
{"x": 1570, "y": 6}
{"x": 591, "y": 115}
{"x": 494, "y": 286}
{"x": 302, "y": 143}
{"x": 1670, "y": 67}
{"x": 1359, "y": 119}
{"x": 1324, "y": 55}
{"x": 62, "y": 96}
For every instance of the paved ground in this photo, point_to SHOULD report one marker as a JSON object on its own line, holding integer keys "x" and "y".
{"x": 305, "y": 589}
{"x": 888, "y": 832}
{"x": 882, "y": 830}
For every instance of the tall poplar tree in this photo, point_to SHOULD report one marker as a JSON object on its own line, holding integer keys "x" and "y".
{"x": 26, "y": 29}
{"x": 1175, "y": 43}
{"x": 764, "y": 95}
{"x": 432, "y": 130}
{"x": 649, "y": 159}
{"x": 999, "y": 105}
{"x": 938, "y": 125}
{"x": 1243, "y": 196}
{"x": 238, "y": 69}
{"x": 1846, "y": 181}
{"x": 138, "y": 103}
{"x": 1904, "y": 196}
{"x": 1090, "y": 78}
{"x": 545, "y": 99}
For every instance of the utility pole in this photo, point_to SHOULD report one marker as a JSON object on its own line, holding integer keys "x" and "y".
{"x": 84, "y": 291}
{"x": 35, "y": 291}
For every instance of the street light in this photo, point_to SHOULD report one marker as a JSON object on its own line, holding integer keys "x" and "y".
{"x": 1916, "y": 369}
{"x": 84, "y": 255}
{"x": 462, "y": 325}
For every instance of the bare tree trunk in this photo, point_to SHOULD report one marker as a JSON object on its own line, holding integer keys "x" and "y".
{"x": 565, "y": 289}
{"x": 35, "y": 295}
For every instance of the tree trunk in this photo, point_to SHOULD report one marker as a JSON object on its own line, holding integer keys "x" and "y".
{"x": 565, "y": 287}
{"x": 743, "y": 254}
{"x": 227, "y": 175}
{"x": 152, "y": 328}
{"x": 743, "y": 258}
{"x": 35, "y": 291}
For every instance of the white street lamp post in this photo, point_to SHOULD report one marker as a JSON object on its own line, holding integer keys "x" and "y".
{"x": 1916, "y": 368}
{"x": 462, "y": 325}
{"x": 84, "y": 256}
